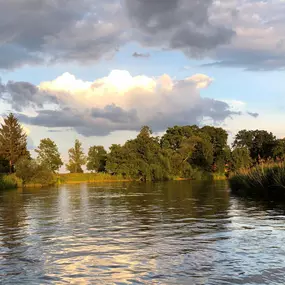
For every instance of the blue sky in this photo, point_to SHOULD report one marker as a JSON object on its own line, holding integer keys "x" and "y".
{"x": 69, "y": 71}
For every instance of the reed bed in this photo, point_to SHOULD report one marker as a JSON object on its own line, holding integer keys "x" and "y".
{"x": 263, "y": 181}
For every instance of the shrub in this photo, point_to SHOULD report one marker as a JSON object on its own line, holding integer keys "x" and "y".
{"x": 8, "y": 182}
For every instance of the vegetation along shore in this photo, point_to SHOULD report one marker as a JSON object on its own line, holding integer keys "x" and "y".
{"x": 254, "y": 160}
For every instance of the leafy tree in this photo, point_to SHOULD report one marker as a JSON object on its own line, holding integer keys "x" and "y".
{"x": 240, "y": 158}
{"x": 279, "y": 149}
{"x": 96, "y": 160}
{"x": 76, "y": 158}
{"x": 30, "y": 171}
{"x": 218, "y": 138}
{"x": 13, "y": 141}
{"x": 49, "y": 155}
{"x": 141, "y": 158}
{"x": 174, "y": 137}
{"x": 260, "y": 143}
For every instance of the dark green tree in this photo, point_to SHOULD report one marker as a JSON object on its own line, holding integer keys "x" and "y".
{"x": 4, "y": 165}
{"x": 96, "y": 160}
{"x": 279, "y": 150}
{"x": 13, "y": 141}
{"x": 30, "y": 171}
{"x": 141, "y": 158}
{"x": 49, "y": 155}
{"x": 260, "y": 143}
{"x": 240, "y": 158}
{"x": 76, "y": 158}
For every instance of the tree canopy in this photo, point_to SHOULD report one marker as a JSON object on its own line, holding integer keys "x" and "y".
{"x": 96, "y": 160}
{"x": 182, "y": 152}
{"x": 49, "y": 155}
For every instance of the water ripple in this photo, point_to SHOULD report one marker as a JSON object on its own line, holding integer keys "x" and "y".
{"x": 166, "y": 233}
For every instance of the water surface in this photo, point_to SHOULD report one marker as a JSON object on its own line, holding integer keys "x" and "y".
{"x": 165, "y": 233}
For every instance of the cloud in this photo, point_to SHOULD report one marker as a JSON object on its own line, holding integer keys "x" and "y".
{"x": 254, "y": 115}
{"x": 201, "y": 80}
{"x": 121, "y": 102}
{"x": 177, "y": 24}
{"x": 23, "y": 95}
{"x": 246, "y": 34}
{"x": 141, "y": 55}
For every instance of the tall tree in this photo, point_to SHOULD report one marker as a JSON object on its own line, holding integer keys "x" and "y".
{"x": 49, "y": 155}
{"x": 260, "y": 143}
{"x": 76, "y": 158}
{"x": 13, "y": 141}
{"x": 96, "y": 160}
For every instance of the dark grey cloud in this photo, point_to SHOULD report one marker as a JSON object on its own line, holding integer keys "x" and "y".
{"x": 101, "y": 122}
{"x": 141, "y": 55}
{"x": 37, "y": 31}
{"x": 115, "y": 114}
{"x": 254, "y": 115}
{"x": 177, "y": 24}
{"x": 24, "y": 94}
{"x": 246, "y": 34}
{"x": 251, "y": 60}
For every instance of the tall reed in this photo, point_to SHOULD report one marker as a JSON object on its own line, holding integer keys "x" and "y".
{"x": 264, "y": 181}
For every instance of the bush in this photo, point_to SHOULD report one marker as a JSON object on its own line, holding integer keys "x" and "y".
{"x": 8, "y": 182}
{"x": 30, "y": 172}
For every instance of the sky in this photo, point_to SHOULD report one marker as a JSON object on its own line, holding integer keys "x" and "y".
{"x": 99, "y": 70}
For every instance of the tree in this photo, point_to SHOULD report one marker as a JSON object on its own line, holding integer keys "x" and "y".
{"x": 76, "y": 158}
{"x": 49, "y": 155}
{"x": 260, "y": 143}
{"x": 96, "y": 160}
{"x": 240, "y": 158}
{"x": 141, "y": 158}
{"x": 279, "y": 150}
{"x": 30, "y": 171}
{"x": 13, "y": 141}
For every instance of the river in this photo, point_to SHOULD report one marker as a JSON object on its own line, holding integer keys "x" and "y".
{"x": 124, "y": 233}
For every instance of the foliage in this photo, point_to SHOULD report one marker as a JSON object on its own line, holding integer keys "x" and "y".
{"x": 263, "y": 181}
{"x": 4, "y": 166}
{"x": 279, "y": 150}
{"x": 13, "y": 141}
{"x": 96, "y": 160}
{"x": 141, "y": 158}
{"x": 76, "y": 158}
{"x": 7, "y": 182}
{"x": 31, "y": 172}
{"x": 49, "y": 155}
{"x": 240, "y": 158}
{"x": 260, "y": 143}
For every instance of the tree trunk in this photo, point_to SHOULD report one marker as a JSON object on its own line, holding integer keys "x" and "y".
{"x": 11, "y": 166}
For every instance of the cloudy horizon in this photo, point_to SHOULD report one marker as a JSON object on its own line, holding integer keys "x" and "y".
{"x": 99, "y": 70}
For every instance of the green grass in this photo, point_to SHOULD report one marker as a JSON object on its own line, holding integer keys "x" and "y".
{"x": 88, "y": 177}
{"x": 8, "y": 182}
{"x": 264, "y": 181}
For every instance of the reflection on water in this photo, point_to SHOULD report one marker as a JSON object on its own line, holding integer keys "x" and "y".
{"x": 165, "y": 233}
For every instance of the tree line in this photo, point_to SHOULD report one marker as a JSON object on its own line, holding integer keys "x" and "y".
{"x": 182, "y": 152}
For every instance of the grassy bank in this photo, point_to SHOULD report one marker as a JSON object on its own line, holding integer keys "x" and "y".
{"x": 75, "y": 178}
{"x": 11, "y": 181}
{"x": 265, "y": 182}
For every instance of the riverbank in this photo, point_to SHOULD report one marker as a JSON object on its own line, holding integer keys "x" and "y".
{"x": 11, "y": 181}
{"x": 77, "y": 178}
{"x": 263, "y": 182}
